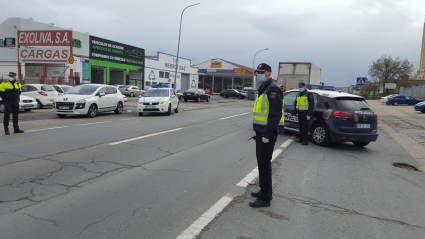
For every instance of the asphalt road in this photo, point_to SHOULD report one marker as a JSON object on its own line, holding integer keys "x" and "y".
{"x": 80, "y": 180}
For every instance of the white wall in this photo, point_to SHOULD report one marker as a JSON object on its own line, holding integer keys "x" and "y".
{"x": 316, "y": 75}
{"x": 166, "y": 63}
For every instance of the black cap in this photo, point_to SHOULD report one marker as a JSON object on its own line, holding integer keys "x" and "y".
{"x": 12, "y": 74}
{"x": 263, "y": 67}
{"x": 301, "y": 84}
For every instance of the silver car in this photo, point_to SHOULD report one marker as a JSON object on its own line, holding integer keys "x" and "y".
{"x": 131, "y": 90}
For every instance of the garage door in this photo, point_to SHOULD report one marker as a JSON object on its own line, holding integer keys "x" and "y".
{"x": 185, "y": 82}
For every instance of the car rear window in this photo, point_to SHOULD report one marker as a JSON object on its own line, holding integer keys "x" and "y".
{"x": 47, "y": 88}
{"x": 192, "y": 90}
{"x": 352, "y": 104}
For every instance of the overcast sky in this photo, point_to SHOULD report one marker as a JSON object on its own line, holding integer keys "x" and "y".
{"x": 340, "y": 36}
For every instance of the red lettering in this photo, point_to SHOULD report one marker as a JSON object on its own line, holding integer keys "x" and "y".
{"x": 32, "y": 54}
{"x": 56, "y": 54}
{"x": 22, "y": 53}
{"x": 39, "y": 54}
{"x": 21, "y": 37}
{"x": 48, "y": 54}
{"x": 65, "y": 54}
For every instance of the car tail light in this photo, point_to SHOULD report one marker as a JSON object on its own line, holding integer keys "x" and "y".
{"x": 375, "y": 116}
{"x": 343, "y": 115}
{"x": 126, "y": 90}
{"x": 42, "y": 93}
{"x": 389, "y": 98}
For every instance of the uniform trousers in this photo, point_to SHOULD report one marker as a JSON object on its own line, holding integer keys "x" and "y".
{"x": 14, "y": 107}
{"x": 264, "y": 153}
{"x": 303, "y": 122}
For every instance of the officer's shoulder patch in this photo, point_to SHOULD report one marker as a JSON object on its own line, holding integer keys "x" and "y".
{"x": 273, "y": 95}
{"x": 311, "y": 96}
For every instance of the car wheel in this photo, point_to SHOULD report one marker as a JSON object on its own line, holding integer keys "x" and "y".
{"x": 395, "y": 103}
{"x": 240, "y": 97}
{"x": 39, "y": 105}
{"x": 27, "y": 110}
{"x": 140, "y": 113}
{"x": 119, "y": 108}
{"x": 61, "y": 116}
{"x": 361, "y": 144}
{"x": 1, "y": 108}
{"x": 92, "y": 111}
{"x": 208, "y": 99}
{"x": 185, "y": 100}
{"x": 169, "y": 110}
{"x": 320, "y": 135}
{"x": 131, "y": 94}
{"x": 177, "y": 109}
{"x": 198, "y": 99}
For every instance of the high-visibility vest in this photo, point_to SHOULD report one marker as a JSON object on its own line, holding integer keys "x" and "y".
{"x": 10, "y": 90}
{"x": 261, "y": 110}
{"x": 302, "y": 103}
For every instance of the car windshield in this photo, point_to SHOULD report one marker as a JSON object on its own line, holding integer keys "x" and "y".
{"x": 83, "y": 90}
{"x": 47, "y": 88}
{"x": 122, "y": 86}
{"x": 66, "y": 89}
{"x": 352, "y": 104}
{"x": 192, "y": 90}
{"x": 156, "y": 93}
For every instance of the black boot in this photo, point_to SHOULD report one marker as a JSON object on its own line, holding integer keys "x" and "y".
{"x": 299, "y": 140}
{"x": 259, "y": 203}
{"x": 18, "y": 131}
{"x": 6, "y": 131}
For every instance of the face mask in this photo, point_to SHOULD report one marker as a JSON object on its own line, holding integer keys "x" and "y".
{"x": 301, "y": 89}
{"x": 261, "y": 78}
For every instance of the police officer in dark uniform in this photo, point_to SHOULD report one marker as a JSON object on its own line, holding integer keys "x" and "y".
{"x": 267, "y": 121}
{"x": 304, "y": 107}
{"x": 10, "y": 92}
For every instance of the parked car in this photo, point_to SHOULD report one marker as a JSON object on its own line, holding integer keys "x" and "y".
{"x": 158, "y": 100}
{"x": 403, "y": 99}
{"x": 337, "y": 117}
{"x": 196, "y": 95}
{"x": 43, "y": 94}
{"x": 131, "y": 90}
{"x": 385, "y": 98}
{"x": 420, "y": 107}
{"x": 26, "y": 103}
{"x": 208, "y": 91}
{"x": 233, "y": 93}
{"x": 62, "y": 89}
{"x": 89, "y": 99}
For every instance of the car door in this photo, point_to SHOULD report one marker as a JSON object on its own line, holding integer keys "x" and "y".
{"x": 401, "y": 99}
{"x": 291, "y": 119}
{"x": 102, "y": 101}
{"x": 111, "y": 93}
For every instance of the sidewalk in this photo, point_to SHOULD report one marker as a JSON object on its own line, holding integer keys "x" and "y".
{"x": 337, "y": 192}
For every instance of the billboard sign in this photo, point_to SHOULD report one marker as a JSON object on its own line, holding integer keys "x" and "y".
{"x": 240, "y": 71}
{"x": 86, "y": 71}
{"x": 390, "y": 86}
{"x": 106, "y": 50}
{"x": 216, "y": 64}
{"x": 44, "y": 55}
{"x": 45, "y": 38}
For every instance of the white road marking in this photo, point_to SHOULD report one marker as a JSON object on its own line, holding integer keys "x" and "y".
{"x": 145, "y": 136}
{"x": 96, "y": 123}
{"x": 276, "y": 154}
{"x": 196, "y": 228}
{"x": 249, "y": 179}
{"x": 35, "y": 130}
{"x": 287, "y": 143}
{"x": 234, "y": 116}
{"x": 129, "y": 119}
{"x": 129, "y": 111}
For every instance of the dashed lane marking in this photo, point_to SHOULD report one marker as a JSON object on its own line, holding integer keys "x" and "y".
{"x": 287, "y": 143}
{"x": 145, "y": 136}
{"x": 234, "y": 116}
{"x": 35, "y": 130}
{"x": 95, "y": 123}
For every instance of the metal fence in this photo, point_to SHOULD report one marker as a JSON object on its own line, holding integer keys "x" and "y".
{"x": 415, "y": 91}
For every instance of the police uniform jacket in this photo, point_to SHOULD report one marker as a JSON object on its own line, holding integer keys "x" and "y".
{"x": 10, "y": 92}
{"x": 275, "y": 97}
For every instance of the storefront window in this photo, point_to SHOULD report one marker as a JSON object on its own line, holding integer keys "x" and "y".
{"x": 167, "y": 75}
{"x": 237, "y": 83}
{"x": 247, "y": 81}
{"x": 227, "y": 82}
{"x": 201, "y": 82}
{"x": 208, "y": 82}
{"x": 218, "y": 84}
{"x": 161, "y": 74}
{"x": 98, "y": 75}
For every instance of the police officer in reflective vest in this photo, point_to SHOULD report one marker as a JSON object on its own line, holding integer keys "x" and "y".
{"x": 10, "y": 92}
{"x": 304, "y": 107}
{"x": 268, "y": 122}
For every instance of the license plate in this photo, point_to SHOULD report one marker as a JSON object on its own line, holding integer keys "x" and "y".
{"x": 27, "y": 105}
{"x": 150, "y": 107}
{"x": 363, "y": 126}
{"x": 188, "y": 94}
{"x": 63, "y": 107}
{"x": 51, "y": 100}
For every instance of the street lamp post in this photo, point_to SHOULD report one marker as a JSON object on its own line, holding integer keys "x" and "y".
{"x": 352, "y": 81}
{"x": 253, "y": 76}
{"x": 178, "y": 46}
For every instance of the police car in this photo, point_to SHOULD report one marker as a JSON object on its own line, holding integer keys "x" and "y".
{"x": 337, "y": 117}
{"x": 158, "y": 99}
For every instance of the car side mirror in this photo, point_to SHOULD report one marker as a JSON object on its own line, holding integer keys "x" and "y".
{"x": 140, "y": 96}
{"x": 101, "y": 94}
{"x": 173, "y": 96}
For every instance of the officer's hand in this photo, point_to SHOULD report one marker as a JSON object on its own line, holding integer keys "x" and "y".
{"x": 308, "y": 117}
{"x": 265, "y": 140}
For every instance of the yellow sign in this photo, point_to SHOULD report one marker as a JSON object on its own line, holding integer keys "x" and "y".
{"x": 216, "y": 64}
{"x": 71, "y": 60}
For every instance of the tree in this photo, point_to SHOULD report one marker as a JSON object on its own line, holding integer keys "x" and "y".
{"x": 388, "y": 68}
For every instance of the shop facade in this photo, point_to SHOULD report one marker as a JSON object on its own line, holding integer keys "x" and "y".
{"x": 218, "y": 75}
{"x": 162, "y": 67}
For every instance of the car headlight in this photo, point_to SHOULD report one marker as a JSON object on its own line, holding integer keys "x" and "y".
{"x": 83, "y": 100}
{"x": 162, "y": 102}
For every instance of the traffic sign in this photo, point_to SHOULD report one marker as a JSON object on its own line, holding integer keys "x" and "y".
{"x": 71, "y": 60}
{"x": 361, "y": 80}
